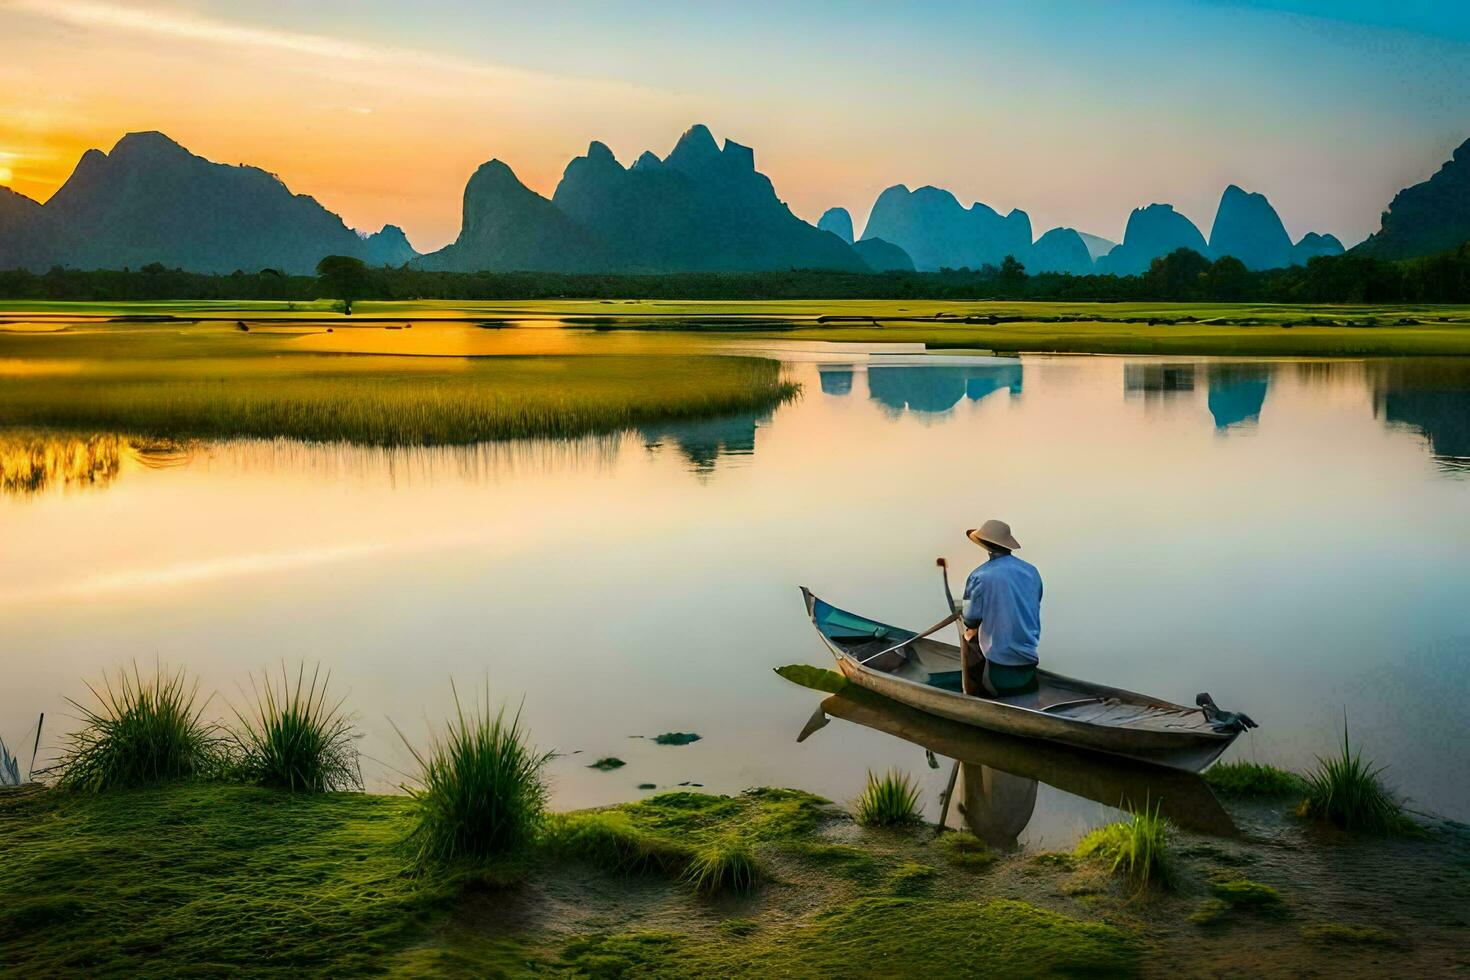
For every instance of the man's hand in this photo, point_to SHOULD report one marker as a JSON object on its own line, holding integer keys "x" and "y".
{"x": 971, "y": 634}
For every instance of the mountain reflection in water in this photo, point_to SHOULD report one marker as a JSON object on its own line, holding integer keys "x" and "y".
{"x": 703, "y": 443}
{"x": 996, "y": 794}
{"x": 935, "y": 390}
{"x": 1237, "y": 392}
{"x": 1432, "y": 399}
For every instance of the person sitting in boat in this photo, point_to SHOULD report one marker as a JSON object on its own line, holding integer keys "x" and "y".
{"x": 1002, "y": 611}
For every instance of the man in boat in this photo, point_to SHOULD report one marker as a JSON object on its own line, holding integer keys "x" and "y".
{"x": 1002, "y": 614}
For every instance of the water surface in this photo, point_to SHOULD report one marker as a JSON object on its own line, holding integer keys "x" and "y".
{"x": 1291, "y": 536}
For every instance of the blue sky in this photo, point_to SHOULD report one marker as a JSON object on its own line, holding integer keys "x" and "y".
{"x": 1075, "y": 112}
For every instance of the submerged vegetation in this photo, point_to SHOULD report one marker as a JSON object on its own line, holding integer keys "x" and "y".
{"x": 481, "y": 792}
{"x": 1243, "y": 780}
{"x": 890, "y": 800}
{"x": 1136, "y": 848}
{"x": 294, "y": 738}
{"x": 143, "y": 731}
{"x": 1345, "y": 791}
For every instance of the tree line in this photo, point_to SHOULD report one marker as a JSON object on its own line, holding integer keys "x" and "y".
{"x": 1182, "y": 276}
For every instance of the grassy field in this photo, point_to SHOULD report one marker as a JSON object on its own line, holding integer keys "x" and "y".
{"x": 219, "y": 382}
{"x": 209, "y": 878}
{"x": 1106, "y": 328}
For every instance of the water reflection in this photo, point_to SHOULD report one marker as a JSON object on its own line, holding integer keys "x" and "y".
{"x": 999, "y": 773}
{"x": 1237, "y": 392}
{"x": 1157, "y": 382}
{"x": 1432, "y": 399}
{"x": 935, "y": 390}
{"x": 705, "y": 443}
{"x": 835, "y": 380}
{"x": 35, "y": 462}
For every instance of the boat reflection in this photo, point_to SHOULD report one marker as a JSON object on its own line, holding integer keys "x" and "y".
{"x": 1000, "y": 772}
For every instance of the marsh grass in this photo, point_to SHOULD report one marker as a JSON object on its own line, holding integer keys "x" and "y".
{"x": 1246, "y": 780}
{"x": 141, "y": 732}
{"x": 890, "y": 800}
{"x": 722, "y": 866}
{"x": 177, "y": 385}
{"x": 294, "y": 738}
{"x": 1136, "y": 848}
{"x": 481, "y": 791}
{"x": 611, "y": 840}
{"x": 1345, "y": 791}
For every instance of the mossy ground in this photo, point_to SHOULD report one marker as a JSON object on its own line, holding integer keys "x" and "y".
{"x": 222, "y": 879}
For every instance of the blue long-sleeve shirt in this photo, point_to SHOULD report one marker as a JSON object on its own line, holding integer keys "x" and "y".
{"x": 1003, "y": 601}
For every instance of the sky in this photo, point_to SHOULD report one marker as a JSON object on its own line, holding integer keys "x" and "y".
{"x": 1076, "y": 112}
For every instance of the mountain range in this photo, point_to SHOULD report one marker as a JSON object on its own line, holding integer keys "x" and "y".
{"x": 703, "y": 207}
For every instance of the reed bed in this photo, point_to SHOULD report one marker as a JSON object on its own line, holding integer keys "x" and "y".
{"x": 1136, "y": 848}
{"x": 481, "y": 791}
{"x": 890, "y": 800}
{"x": 144, "y": 731}
{"x": 385, "y": 401}
{"x": 294, "y": 738}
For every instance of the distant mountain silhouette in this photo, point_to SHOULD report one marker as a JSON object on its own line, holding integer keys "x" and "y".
{"x": 1313, "y": 245}
{"x": 507, "y": 227}
{"x": 151, "y": 200}
{"x": 387, "y": 246}
{"x": 1430, "y": 217}
{"x": 702, "y": 208}
{"x": 1247, "y": 227}
{"x": 1152, "y": 231}
{"x": 938, "y": 232}
{"x": 882, "y": 256}
{"x": 1059, "y": 250}
{"x": 25, "y": 239}
{"x": 838, "y": 222}
{"x": 1097, "y": 246}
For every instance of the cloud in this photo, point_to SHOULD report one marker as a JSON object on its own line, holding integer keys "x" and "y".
{"x": 194, "y": 28}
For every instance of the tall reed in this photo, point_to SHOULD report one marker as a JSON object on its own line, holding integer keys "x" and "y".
{"x": 481, "y": 791}
{"x": 889, "y": 800}
{"x": 141, "y": 732}
{"x": 294, "y": 738}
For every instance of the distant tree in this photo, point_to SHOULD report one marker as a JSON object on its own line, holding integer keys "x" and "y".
{"x": 1228, "y": 279}
{"x": 1012, "y": 272}
{"x": 343, "y": 277}
{"x": 1178, "y": 275}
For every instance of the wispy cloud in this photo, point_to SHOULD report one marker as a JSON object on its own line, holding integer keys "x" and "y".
{"x": 195, "y": 28}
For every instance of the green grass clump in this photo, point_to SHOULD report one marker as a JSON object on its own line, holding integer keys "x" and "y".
{"x": 890, "y": 800}
{"x": 850, "y": 862}
{"x": 721, "y": 867}
{"x": 294, "y": 739}
{"x": 1337, "y": 934}
{"x": 481, "y": 793}
{"x": 142, "y": 732}
{"x": 910, "y": 878}
{"x": 611, "y": 839}
{"x": 964, "y": 850}
{"x": 1346, "y": 791}
{"x": 1137, "y": 848}
{"x": 1245, "y": 780}
{"x": 1238, "y": 892}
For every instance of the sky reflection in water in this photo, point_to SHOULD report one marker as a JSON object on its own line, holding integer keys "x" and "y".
{"x": 1290, "y": 536}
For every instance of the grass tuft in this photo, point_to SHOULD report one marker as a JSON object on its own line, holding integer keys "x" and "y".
{"x": 1137, "y": 848}
{"x": 142, "y": 732}
{"x": 610, "y": 838}
{"x": 481, "y": 792}
{"x": 1246, "y": 780}
{"x": 1346, "y": 791}
{"x": 965, "y": 850}
{"x": 1338, "y": 934}
{"x": 294, "y": 739}
{"x": 722, "y": 867}
{"x": 890, "y": 800}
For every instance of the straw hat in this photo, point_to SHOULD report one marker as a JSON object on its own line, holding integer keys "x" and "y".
{"x": 994, "y": 532}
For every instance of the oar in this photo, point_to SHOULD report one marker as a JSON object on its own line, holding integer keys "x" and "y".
{"x": 36, "y": 747}
{"x": 913, "y": 639}
{"x": 948, "y": 796}
{"x": 960, "y": 624}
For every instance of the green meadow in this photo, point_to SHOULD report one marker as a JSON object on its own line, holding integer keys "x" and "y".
{"x": 216, "y": 381}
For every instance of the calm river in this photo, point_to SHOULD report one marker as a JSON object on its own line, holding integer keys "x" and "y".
{"x": 1293, "y": 537}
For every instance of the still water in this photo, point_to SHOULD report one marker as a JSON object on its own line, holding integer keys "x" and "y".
{"x": 1293, "y": 537}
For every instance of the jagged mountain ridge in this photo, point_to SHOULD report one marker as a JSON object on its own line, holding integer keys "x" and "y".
{"x": 1428, "y": 217}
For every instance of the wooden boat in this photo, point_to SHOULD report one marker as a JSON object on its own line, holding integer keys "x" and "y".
{"x": 1183, "y": 797}
{"x": 924, "y": 673}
